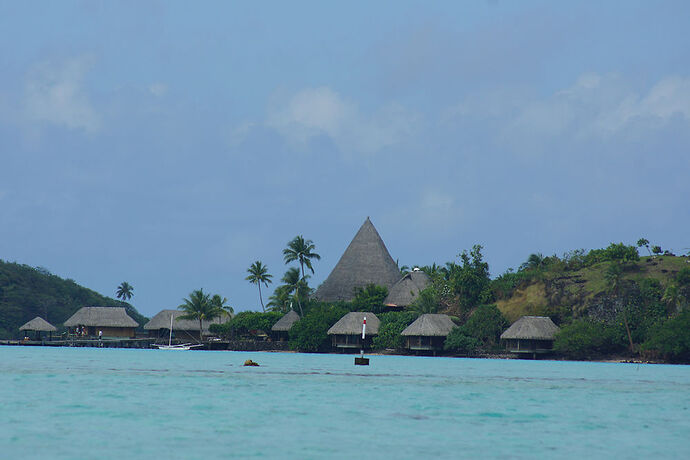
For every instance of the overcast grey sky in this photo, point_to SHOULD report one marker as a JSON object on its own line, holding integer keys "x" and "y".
{"x": 171, "y": 144}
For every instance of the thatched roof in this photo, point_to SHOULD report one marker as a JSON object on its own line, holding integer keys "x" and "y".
{"x": 365, "y": 261}
{"x": 101, "y": 316}
{"x": 430, "y": 325}
{"x": 38, "y": 324}
{"x": 531, "y": 327}
{"x": 351, "y": 324}
{"x": 405, "y": 291}
{"x": 285, "y": 323}
{"x": 162, "y": 321}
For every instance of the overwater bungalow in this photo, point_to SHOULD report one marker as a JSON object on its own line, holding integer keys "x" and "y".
{"x": 39, "y": 327}
{"x": 530, "y": 335}
{"x": 428, "y": 332}
{"x": 365, "y": 261}
{"x": 406, "y": 290}
{"x": 347, "y": 332}
{"x": 110, "y": 321}
{"x": 183, "y": 329}
{"x": 281, "y": 328}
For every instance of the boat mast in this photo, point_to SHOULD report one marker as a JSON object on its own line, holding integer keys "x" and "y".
{"x": 170, "y": 337}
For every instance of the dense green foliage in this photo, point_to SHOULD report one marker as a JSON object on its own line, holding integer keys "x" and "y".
{"x": 370, "y": 299}
{"x": 245, "y": 323}
{"x": 310, "y": 333}
{"x": 428, "y": 301}
{"x": 392, "y": 324}
{"x": 27, "y": 292}
{"x": 670, "y": 339}
{"x": 481, "y": 331}
{"x": 585, "y": 339}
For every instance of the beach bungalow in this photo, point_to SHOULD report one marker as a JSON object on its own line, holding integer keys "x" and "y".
{"x": 365, "y": 261}
{"x": 347, "y": 332}
{"x": 110, "y": 321}
{"x": 405, "y": 291}
{"x": 39, "y": 327}
{"x": 183, "y": 329}
{"x": 428, "y": 332}
{"x": 530, "y": 335}
{"x": 281, "y": 328}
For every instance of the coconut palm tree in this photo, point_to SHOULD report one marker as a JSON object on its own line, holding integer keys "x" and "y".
{"x": 296, "y": 287}
{"x": 221, "y": 303}
{"x": 280, "y": 300}
{"x": 258, "y": 273}
{"x": 301, "y": 250}
{"x": 124, "y": 291}
{"x": 200, "y": 306}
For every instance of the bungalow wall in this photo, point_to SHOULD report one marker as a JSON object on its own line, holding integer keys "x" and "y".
{"x": 417, "y": 342}
{"x": 181, "y": 334}
{"x": 528, "y": 345}
{"x": 353, "y": 341}
{"x": 92, "y": 331}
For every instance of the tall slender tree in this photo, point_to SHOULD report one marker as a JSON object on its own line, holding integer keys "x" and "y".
{"x": 124, "y": 291}
{"x": 614, "y": 281}
{"x": 258, "y": 273}
{"x": 200, "y": 306}
{"x": 221, "y": 303}
{"x": 296, "y": 287}
{"x": 301, "y": 250}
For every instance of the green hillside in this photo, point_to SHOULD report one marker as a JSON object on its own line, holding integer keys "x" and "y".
{"x": 27, "y": 292}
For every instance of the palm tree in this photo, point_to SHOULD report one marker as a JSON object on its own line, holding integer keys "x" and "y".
{"x": 200, "y": 306}
{"x": 644, "y": 242}
{"x": 300, "y": 250}
{"x": 296, "y": 286}
{"x": 124, "y": 291}
{"x": 614, "y": 280}
{"x": 280, "y": 300}
{"x": 258, "y": 273}
{"x": 221, "y": 304}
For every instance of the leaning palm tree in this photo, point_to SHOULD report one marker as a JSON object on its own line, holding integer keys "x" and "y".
{"x": 124, "y": 291}
{"x": 199, "y": 306}
{"x": 258, "y": 273}
{"x": 296, "y": 287}
{"x": 300, "y": 250}
{"x": 280, "y": 300}
{"x": 221, "y": 303}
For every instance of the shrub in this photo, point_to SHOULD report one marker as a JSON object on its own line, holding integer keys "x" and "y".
{"x": 311, "y": 332}
{"x": 486, "y": 325}
{"x": 245, "y": 322}
{"x": 458, "y": 342}
{"x": 670, "y": 339}
{"x": 392, "y": 324}
{"x": 582, "y": 339}
{"x": 370, "y": 298}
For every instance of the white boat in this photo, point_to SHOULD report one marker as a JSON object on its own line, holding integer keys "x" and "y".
{"x": 170, "y": 346}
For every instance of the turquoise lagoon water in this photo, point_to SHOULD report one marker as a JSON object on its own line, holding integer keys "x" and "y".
{"x": 73, "y": 403}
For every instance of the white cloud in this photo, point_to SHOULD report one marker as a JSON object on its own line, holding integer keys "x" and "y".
{"x": 158, "y": 89}
{"x": 321, "y": 111}
{"x": 54, "y": 93}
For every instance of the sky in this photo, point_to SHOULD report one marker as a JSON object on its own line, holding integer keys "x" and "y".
{"x": 170, "y": 144}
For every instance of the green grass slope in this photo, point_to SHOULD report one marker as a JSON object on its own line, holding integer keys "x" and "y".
{"x": 27, "y": 292}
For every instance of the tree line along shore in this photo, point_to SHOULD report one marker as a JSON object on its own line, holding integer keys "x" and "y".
{"x": 605, "y": 303}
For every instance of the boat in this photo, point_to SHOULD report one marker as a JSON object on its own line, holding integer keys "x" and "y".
{"x": 170, "y": 346}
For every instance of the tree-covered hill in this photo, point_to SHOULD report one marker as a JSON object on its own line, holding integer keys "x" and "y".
{"x": 27, "y": 292}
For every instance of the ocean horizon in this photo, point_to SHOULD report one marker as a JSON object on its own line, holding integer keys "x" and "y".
{"x": 66, "y": 403}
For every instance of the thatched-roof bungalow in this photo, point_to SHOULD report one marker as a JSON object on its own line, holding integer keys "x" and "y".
{"x": 282, "y": 327}
{"x": 39, "y": 326}
{"x": 428, "y": 332}
{"x": 347, "y": 332}
{"x": 183, "y": 329}
{"x": 365, "y": 261}
{"x": 530, "y": 335}
{"x": 405, "y": 291}
{"x": 111, "y": 321}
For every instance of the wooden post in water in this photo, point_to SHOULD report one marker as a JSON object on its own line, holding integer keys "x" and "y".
{"x": 362, "y": 361}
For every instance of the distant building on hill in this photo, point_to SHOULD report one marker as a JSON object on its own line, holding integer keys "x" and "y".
{"x": 407, "y": 289}
{"x": 347, "y": 332}
{"x": 428, "y": 332}
{"x": 365, "y": 261}
{"x": 183, "y": 329}
{"x": 282, "y": 327}
{"x": 110, "y": 321}
{"x": 530, "y": 335}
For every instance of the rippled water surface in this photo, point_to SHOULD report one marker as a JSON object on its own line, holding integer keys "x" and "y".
{"x": 67, "y": 403}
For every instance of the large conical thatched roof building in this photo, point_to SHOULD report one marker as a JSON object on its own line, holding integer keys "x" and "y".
{"x": 405, "y": 291}
{"x": 38, "y": 324}
{"x": 365, "y": 261}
